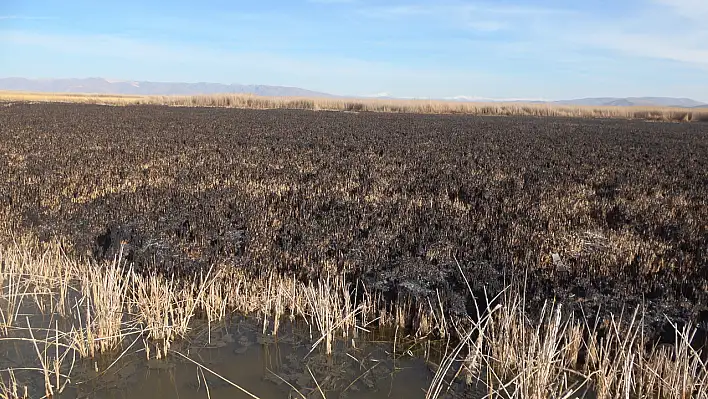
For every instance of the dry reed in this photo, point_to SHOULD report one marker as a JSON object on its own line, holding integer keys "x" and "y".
{"x": 513, "y": 356}
{"x": 250, "y": 101}
{"x": 510, "y": 354}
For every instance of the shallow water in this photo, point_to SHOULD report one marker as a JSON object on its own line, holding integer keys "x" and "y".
{"x": 267, "y": 366}
{"x": 232, "y": 359}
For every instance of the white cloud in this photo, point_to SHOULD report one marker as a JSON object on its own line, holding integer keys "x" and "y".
{"x": 691, "y": 9}
{"x": 652, "y": 46}
{"x": 672, "y": 30}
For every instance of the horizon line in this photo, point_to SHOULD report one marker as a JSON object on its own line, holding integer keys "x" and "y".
{"x": 383, "y": 95}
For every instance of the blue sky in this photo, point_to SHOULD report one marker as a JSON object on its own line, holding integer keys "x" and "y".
{"x": 546, "y": 49}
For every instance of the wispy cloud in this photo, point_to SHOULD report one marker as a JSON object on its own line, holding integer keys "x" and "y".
{"x": 332, "y": 1}
{"x": 672, "y": 30}
{"x": 691, "y": 9}
{"x": 396, "y": 11}
{"x": 451, "y": 9}
{"x": 484, "y": 17}
{"x": 326, "y": 69}
{"x": 652, "y": 46}
{"x": 22, "y": 17}
{"x": 487, "y": 26}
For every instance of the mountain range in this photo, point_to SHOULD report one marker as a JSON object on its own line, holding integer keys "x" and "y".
{"x": 635, "y": 101}
{"x": 106, "y": 86}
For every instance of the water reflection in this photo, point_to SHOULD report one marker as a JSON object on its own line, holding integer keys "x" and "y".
{"x": 266, "y": 366}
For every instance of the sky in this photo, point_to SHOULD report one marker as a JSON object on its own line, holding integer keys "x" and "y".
{"x": 494, "y": 49}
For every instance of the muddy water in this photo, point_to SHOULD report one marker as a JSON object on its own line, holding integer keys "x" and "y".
{"x": 267, "y": 366}
{"x": 233, "y": 359}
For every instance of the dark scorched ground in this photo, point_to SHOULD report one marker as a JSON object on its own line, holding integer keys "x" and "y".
{"x": 598, "y": 214}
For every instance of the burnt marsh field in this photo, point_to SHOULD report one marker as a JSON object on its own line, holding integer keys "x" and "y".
{"x": 599, "y": 215}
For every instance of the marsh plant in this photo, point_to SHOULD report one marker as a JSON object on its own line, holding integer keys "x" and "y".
{"x": 505, "y": 352}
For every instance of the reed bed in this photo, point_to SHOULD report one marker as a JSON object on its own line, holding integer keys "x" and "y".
{"x": 249, "y": 101}
{"x": 506, "y": 351}
{"x": 512, "y": 355}
{"x": 104, "y": 307}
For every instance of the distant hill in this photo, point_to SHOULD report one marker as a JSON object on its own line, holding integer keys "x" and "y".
{"x": 635, "y": 101}
{"x": 595, "y": 102}
{"x": 106, "y": 86}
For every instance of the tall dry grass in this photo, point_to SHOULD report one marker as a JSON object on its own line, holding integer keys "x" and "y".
{"x": 249, "y": 101}
{"x": 106, "y": 305}
{"x": 510, "y": 355}
{"x": 505, "y": 353}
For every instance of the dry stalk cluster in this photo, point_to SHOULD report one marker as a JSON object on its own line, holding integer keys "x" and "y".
{"x": 507, "y": 354}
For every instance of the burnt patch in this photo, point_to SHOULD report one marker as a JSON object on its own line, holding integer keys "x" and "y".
{"x": 393, "y": 200}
